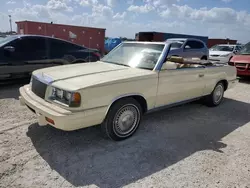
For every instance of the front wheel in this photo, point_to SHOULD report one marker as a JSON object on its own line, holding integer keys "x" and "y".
{"x": 123, "y": 119}
{"x": 216, "y": 97}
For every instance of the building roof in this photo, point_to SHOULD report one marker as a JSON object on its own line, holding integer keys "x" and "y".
{"x": 180, "y": 39}
{"x": 184, "y": 39}
{"x": 222, "y": 39}
{"x": 172, "y": 33}
{"x": 26, "y": 21}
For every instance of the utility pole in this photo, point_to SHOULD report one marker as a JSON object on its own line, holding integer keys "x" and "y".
{"x": 90, "y": 38}
{"x": 10, "y": 24}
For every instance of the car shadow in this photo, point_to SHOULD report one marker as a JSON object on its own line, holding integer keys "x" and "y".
{"x": 165, "y": 137}
{"x": 10, "y": 89}
{"x": 245, "y": 80}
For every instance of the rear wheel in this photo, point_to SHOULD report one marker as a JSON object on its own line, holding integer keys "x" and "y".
{"x": 216, "y": 97}
{"x": 69, "y": 58}
{"x": 91, "y": 59}
{"x": 123, "y": 119}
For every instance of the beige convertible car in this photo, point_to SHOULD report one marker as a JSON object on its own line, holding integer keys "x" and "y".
{"x": 133, "y": 79}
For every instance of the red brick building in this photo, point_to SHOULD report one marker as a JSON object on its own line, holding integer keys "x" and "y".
{"x": 87, "y": 36}
{"x": 212, "y": 42}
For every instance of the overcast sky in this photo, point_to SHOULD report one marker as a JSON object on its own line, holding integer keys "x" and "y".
{"x": 213, "y": 18}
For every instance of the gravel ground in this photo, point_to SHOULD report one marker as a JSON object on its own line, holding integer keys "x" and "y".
{"x": 186, "y": 146}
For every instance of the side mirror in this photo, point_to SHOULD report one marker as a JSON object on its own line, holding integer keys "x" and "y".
{"x": 168, "y": 65}
{"x": 9, "y": 48}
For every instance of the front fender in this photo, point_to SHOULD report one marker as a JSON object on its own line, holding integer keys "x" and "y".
{"x": 106, "y": 95}
{"x": 125, "y": 96}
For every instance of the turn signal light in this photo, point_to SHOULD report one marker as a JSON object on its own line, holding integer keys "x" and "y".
{"x": 76, "y": 98}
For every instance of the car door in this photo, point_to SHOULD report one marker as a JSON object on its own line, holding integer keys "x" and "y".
{"x": 4, "y": 66}
{"x": 179, "y": 85}
{"x": 62, "y": 52}
{"x": 57, "y": 50}
{"x": 192, "y": 49}
{"x": 36, "y": 53}
{"x": 27, "y": 55}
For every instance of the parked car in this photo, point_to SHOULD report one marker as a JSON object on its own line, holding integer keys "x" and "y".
{"x": 22, "y": 54}
{"x": 188, "y": 48}
{"x": 133, "y": 79}
{"x": 242, "y": 61}
{"x": 223, "y": 52}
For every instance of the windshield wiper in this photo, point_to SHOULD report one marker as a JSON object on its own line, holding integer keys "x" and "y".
{"x": 144, "y": 68}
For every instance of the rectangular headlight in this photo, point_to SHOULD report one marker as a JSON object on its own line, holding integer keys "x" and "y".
{"x": 224, "y": 55}
{"x": 71, "y": 99}
{"x": 59, "y": 93}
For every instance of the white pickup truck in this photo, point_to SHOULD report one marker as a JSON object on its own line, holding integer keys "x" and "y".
{"x": 133, "y": 79}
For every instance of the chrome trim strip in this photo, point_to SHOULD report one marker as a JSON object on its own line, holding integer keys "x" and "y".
{"x": 189, "y": 68}
{"x": 43, "y": 78}
{"x": 162, "y": 57}
{"x": 172, "y": 104}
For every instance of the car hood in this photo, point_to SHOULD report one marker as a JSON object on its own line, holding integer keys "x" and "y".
{"x": 78, "y": 76}
{"x": 211, "y": 52}
{"x": 241, "y": 58}
{"x": 174, "y": 51}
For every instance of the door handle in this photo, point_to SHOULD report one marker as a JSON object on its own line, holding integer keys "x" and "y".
{"x": 201, "y": 75}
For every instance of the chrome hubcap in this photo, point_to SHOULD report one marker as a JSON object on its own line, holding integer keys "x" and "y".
{"x": 126, "y": 119}
{"x": 218, "y": 93}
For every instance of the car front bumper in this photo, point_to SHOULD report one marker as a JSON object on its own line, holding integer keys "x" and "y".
{"x": 219, "y": 59}
{"x": 61, "y": 118}
{"x": 243, "y": 70}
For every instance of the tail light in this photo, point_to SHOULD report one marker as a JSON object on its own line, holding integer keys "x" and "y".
{"x": 50, "y": 120}
{"x": 97, "y": 54}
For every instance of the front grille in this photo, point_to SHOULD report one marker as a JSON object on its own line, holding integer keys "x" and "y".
{"x": 240, "y": 64}
{"x": 241, "y": 68}
{"x": 38, "y": 87}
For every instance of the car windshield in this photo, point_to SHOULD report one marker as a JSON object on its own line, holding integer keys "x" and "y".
{"x": 4, "y": 40}
{"x": 245, "y": 50}
{"x": 138, "y": 55}
{"x": 175, "y": 43}
{"x": 222, "y": 48}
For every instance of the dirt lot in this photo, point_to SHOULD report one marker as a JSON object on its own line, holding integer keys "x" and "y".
{"x": 187, "y": 146}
